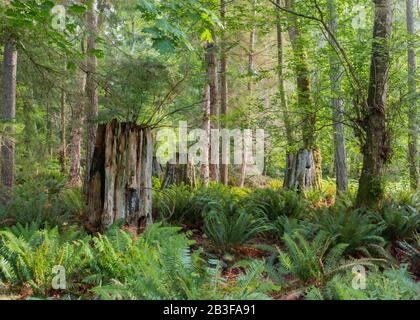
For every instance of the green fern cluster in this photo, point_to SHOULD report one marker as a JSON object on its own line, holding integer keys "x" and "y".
{"x": 231, "y": 226}
{"x": 177, "y": 204}
{"x": 356, "y": 228}
{"x": 28, "y": 256}
{"x": 158, "y": 265}
{"x": 161, "y": 265}
{"x": 401, "y": 222}
{"x": 392, "y": 284}
{"x": 275, "y": 203}
{"x": 316, "y": 260}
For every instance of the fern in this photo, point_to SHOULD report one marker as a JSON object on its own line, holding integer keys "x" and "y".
{"x": 401, "y": 222}
{"x": 392, "y": 284}
{"x": 356, "y": 228}
{"x": 232, "y": 226}
{"x": 316, "y": 260}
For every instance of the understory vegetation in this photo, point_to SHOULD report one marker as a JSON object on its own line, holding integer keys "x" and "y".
{"x": 209, "y": 149}
{"x": 212, "y": 243}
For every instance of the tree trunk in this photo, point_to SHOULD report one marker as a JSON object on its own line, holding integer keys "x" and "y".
{"x": 214, "y": 106}
{"x": 282, "y": 95}
{"x": 63, "y": 145}
{"x": 205, "y": 174}
{"x": 76, "y": 128}
{"x": 91, "y": 86}
{"x": 8, "y": 114}
{"x": 309, "y": 156}
{"x": 157, "y": 168}
{"x": 281, "y": 88}
{"x": 340, "y": 159}
{"x": 120, "y": 181}
{"x": 49, "y": 131}
{"x": 413, "y": 112}
{"x": 303, "y": 173}
{"x": 243, "y": 169}
{"x": 376, "y": 150}
{"x": 224, "y": 167}
{"x": 177, "y": 174}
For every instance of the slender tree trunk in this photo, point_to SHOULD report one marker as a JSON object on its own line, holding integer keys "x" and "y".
{"x": 377, "y": 147}
{"x": 49, "y": 131}
{"x": 63, "y": 147}
{"x": 224, "y": 167}
{"x": 76, "y": 127}
{"x": 9, "y": 114}
{"x": 281, "y": 88}
{"x": 91, "y": 86}
{"x": 303, "y": 168}
{"x": 282, "y": 96}
{"x": 205, "y": 174}
{"x": 214, "y": 106}
{"x": 340, "y": 159}
{"x": 413, "y": 112}
{"x": 251, "y": 52}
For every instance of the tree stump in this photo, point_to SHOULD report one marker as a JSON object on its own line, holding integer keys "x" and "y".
{"x": 177, "y": 173}
{"x": 303, "y": 170}
{"x": 120, "y": 179}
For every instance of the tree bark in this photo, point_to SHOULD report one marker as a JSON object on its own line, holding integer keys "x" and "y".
{"x": 91, "y": 85}
{"x": 340, "y": 158}
{"x": 413, "y": 112}
{"x": 9, "y": 114}
{"x": 214, "y": 106}
{"x": 310, "y": 155}
{"x": 224, "y": 168}
{"x": 251, "y": 51}
{"x": 63, "y": 144}
{"x": 303, "y": 170}
{"x": 177, "y": 174}
{"x": 377, "y": 149}
{"x": 205, "y": 173}
{"x": 120, "y": 181}
{"x": 283, "y": 101}
{"x": 76, "y": 127}
{"x": 281, "y": 88}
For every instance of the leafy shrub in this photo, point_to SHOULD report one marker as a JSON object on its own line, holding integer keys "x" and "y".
{"x": 232, "y": 226}
{"x": 356, "y": 228}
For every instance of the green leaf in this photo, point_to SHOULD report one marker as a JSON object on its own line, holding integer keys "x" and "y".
{"x": 206, "y": 36}
{"x": 76, "y": 9}
{"x": 164, "y": 46}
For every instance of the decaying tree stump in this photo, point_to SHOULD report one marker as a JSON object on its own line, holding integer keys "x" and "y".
{"x": 303, "y": 170}
{"x": 179, "y": 173}
{"x": 120, "y": 180}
